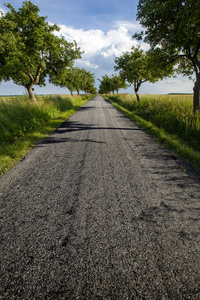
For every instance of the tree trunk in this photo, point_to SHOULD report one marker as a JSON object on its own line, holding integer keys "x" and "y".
{"x": 78, "y": 91}
{"x": 196, "y": 94}
{"x": 137, "y": 96}
{"x": 71, "y": 93}
{"x": 136, "y": 89}
{"x": 31, "y": 94}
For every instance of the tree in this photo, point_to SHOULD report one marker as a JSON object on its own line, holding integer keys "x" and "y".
{"x": 29, "y": 51}
{"x": 105, "y": 85}
{"x": 117, "y": 82}
{"x": 139, "y": 66}
{"x": 174, "y": 27}
{"x": 84, "y": 81}
{"x": 75, "y": 79}
{"x": 88, "y": 82}
{"x": 112, "y": 84}
{"x": 78, "y": 79}
{"x": 66, "y": 78}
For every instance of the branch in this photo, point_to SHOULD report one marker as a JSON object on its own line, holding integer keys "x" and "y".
{"x": 197, "y": 50}
{"x": 29, "y": 75}
{"x": 142, "y": 81}
{"x": 38, "y": 74}
{"x": 175, "y": 57}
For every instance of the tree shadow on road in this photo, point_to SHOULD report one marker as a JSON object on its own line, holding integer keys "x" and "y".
{"x": 54, "y": 140}
{"x": 71, "y": 126}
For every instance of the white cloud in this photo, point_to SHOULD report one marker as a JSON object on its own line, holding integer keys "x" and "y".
{"x": 132, "y": 27}
{"x": 86, "y": 63}
{"x": 100, "y": 48}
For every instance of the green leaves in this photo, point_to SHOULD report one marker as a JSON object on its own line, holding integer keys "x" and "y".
{"x": 131, "y": 65}
{"x": 138, "y": 67}
{"x": 174, "y": 26}
{"x": 112, "y": 84}
{"x": 29, "y": 50}
{"x": 75, "y": 79}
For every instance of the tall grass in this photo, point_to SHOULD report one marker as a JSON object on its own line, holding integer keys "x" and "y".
{"x": 170, "y": 118}
{"x": 23, "y": 124}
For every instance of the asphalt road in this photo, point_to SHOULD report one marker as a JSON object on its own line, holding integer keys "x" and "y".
{"x": 99, "y": 211}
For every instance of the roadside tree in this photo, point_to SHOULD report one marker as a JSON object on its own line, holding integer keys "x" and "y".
{"x": 88, "y": 82}
{"x": 84, "y": 81}
{"x": 29, "y": 50}
{"x": 66, "y": 78}
{"x": 75, "y": 79}
{"x": 105, "y": 85}
{"x": 117, "y": 82}
{"x": 174, "y": 27}
{"x": 138, "y": 66}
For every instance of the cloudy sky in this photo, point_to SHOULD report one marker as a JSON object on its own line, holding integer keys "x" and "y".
{"x": 103, "y": 29}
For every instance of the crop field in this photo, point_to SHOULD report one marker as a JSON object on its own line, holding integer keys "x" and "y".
{"x": 23, "y": 124}
{"x": 169, "y": 118}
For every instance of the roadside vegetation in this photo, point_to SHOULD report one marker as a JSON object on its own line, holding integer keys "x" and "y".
{"x": 24, "y": 124}
{"x": 173, "y": 47}
{"x": 168, "y": 36}
{"x": 31, "y": 53}
{"x": 76, "y": 79}
{"x": 169, "y": 118}
{"x": 138, "y": 67}
{"x": 112, "y": 84}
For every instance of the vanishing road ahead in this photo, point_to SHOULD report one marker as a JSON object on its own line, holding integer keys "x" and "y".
{"x": 99, "y": 211}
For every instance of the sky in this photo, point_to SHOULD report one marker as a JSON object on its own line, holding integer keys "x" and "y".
{"x": 103, "y": 29}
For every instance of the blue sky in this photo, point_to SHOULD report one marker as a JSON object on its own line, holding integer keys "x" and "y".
{"x": 103, "y": 29}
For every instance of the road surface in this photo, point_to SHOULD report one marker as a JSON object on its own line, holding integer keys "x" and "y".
{"x": 99, "y": 211}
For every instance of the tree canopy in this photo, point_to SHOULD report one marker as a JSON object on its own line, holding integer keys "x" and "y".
{"x": 29, "y": 50}
{"x": 75, "y": 79}
{"x": 118, "y": 82}
{"x": 105, "y": 85}
{"x": 174, "y": 27}
{"x": 138, "y": 66}
{"x": 111, "y": 84}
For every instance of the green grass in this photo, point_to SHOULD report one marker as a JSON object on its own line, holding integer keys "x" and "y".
{"x": 24, "y": 124}
{"x": 168, "y": 118}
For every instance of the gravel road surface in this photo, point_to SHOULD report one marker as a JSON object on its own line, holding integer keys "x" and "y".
{"x": 99, "y": 211}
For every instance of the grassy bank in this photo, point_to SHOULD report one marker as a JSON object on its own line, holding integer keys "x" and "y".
{"x": 168, "y": 118}
{"x": 23, "y": 124}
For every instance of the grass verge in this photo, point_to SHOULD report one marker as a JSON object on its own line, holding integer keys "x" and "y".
{"x": 169, "y": 119}
{"x": 24, "y": 124}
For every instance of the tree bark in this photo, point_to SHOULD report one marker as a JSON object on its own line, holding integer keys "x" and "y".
{"x": 136, "y": 89}
{"x": 31, "y": 94}
{"x": 33, "y": 80}
{"x": 71, "y": 93}
{"x": 137, "y": 96}
{"x": 196, "y": 94}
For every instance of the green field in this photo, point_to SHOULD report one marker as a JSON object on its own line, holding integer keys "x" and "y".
{"x": 169, "y": 118}
{"x": 24, "y": 124}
